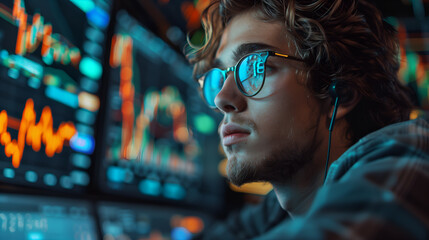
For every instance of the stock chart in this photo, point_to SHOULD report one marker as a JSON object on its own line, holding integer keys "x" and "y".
{"x": 49, "y": 86}
{"x": 156, "y": 126}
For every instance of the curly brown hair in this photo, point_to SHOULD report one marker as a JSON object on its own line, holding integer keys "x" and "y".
{"x": 345, "y": 40}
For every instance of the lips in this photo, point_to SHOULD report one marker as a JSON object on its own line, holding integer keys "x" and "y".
{"x": 232, "y": 133}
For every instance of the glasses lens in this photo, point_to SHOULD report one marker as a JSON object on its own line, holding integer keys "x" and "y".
{"x": 213, "y": 82}
{"x": 250, "y": 74}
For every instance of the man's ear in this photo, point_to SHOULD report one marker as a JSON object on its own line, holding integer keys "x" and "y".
{"x": 347, "y": 100}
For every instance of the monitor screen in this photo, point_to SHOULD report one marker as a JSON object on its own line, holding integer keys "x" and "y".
{"x": 120, "y": 221}
{"x": 35, "y": 217}
{"x": 51, "y": 55}
{"x": 160, "y": 138}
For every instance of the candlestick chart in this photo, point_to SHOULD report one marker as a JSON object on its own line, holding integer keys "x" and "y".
{"x": 151, "y": 122}
{"x": 152, "y": 146}
{"x": 159, "y": 114}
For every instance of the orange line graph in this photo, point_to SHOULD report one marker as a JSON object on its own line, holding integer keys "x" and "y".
{"x": 34, "y": 134}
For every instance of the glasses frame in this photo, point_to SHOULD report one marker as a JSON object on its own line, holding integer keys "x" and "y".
{"x": 202, "y": 82}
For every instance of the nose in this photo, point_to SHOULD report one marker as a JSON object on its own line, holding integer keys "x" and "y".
{"x": 230, "y": 99}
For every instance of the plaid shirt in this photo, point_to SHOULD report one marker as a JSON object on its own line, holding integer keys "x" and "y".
{"x": 378, "y": 189}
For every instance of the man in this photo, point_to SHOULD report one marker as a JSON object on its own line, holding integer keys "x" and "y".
{"x": 305, "y": 86}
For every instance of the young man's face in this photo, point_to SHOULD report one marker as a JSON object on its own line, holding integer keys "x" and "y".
{"x": 273, "y": 135}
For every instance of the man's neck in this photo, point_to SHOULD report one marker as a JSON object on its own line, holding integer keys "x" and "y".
{"x": 297, "y": 195}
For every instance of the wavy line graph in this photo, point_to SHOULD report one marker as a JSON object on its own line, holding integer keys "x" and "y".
{"x": 34, "y": 134}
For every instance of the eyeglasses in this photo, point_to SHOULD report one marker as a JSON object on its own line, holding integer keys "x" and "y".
{"x": 249, "y": 75}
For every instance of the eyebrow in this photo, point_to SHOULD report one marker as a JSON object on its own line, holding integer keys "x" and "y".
{"x": 247, "y": 48}
{"x": 241, "y": 51}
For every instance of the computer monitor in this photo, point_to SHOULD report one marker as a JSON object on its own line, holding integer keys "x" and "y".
{"x": 160, "y": 138}
{"x": 36, "y": 217}
{"x": 125, "y": 221}
{"x": 51, "y": 55}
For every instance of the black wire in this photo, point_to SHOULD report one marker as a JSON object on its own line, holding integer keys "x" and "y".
{"x": 327, "y": 158}
{"x": 331, "y": 127}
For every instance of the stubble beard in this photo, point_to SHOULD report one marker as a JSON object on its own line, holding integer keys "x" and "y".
{"x": 280, "y": 165}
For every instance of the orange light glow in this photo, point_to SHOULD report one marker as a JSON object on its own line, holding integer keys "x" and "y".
{"x": 414, "y": 114}
{"x": 259, "y": 188}
{"x": 20, "y": 16}
{"x": 191, "y": 15}
{"x": 112, "y": 60}
{"x": 126, "y": 72}
{"x": 192, "y": 224}
{"x": 201, "y": 5}
{"x": 34, "y": 134}
{"x": 89, "y": 101}
{"x": 181, "y": 134}
{"x": 47, "y": 40}
{"x": 177, "y": 109}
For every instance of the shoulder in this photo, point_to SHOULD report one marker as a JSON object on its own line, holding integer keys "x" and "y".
{"x": 376, "y": 190}
{"x": 399, "y": 144}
